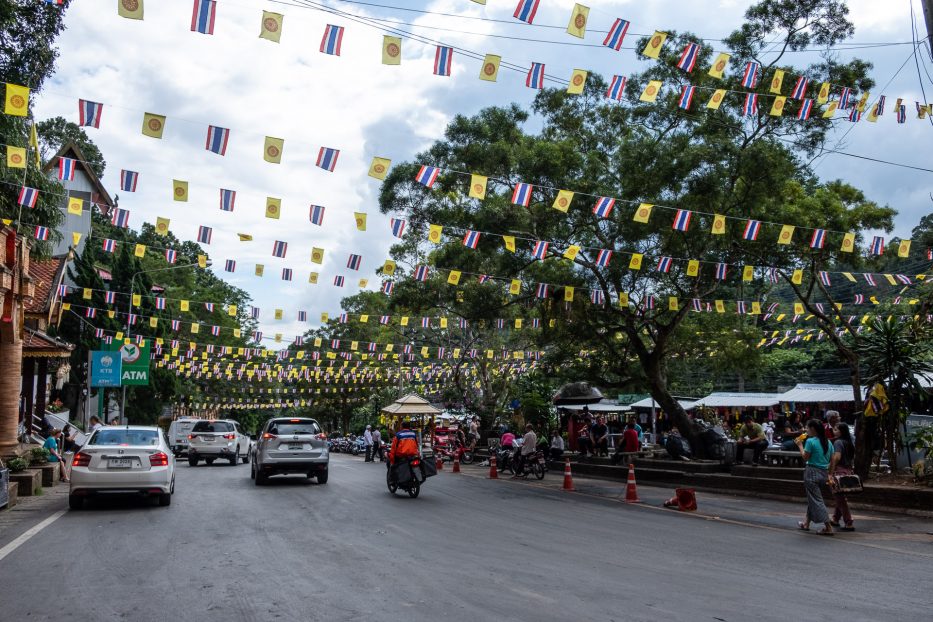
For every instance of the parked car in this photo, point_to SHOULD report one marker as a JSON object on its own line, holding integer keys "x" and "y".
{"x": 222, "y": 439}
{"x": 290, "y": 445}
{"x": 178, "y": 432}
{"x": 125, "y": 459}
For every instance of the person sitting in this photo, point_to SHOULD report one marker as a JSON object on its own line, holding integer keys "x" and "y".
{"x": 599, "y": 437}
{"x": 507, "y": 440}
{"x": 792, "y": 429}
{"x": 628, "y": 445}
{"x": 750, "y": 436}
{"x": 584, "y": 443}
{"x": 404, "y": 446}
{"x": 528, "y": 448}
{"x": 557, "y": 445}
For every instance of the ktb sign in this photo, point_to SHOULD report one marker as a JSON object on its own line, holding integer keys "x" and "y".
{"x": 135, "y": 362}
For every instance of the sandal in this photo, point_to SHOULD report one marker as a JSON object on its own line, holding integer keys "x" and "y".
{"x": 847, "y": 528}
{"x": 834, "y": 523}
{"x": 825, "y": 532}
{"x": 802, "y": 526}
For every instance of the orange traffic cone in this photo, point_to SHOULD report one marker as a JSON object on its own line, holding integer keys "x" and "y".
{"x": 631, "y": 492}
{"x": 568, "y": 476}
{"x": 493, "y": 471}
{"x": 440, "y": 463}
{"x": 686, "y": 499}
{"x": 456, "y": 463}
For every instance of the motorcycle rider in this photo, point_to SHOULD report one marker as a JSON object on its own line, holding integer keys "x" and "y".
{"x": 404, "y": 445}
{"x": 528, "y": 448}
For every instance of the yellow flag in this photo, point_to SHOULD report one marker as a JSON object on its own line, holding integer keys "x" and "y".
{"x": 317, "y": 255}
{"x": 623, "y": 299}
{"x": 849, "y": 277}
{"x": 716, "y": 99}
{"x": 259, "y": 269}
{"x": 75, "y": 238}
{"x": 272, "y": 149}
{"x": 673, "y": 304}
{"x": 153, "y": 124}
{"x": 231, "y": 310}
{"x": 571, "y": 252}
{"x": 434, "y": 233}
{"x": 179, "y": 190}
{"x": 873, "y": 114}
{"x": 453, "y": 278}
{"x": 379, "y": 168}
{"x": 388, "y": 268}
{"x": 890, "y": 279}
{"x": 823, "y": 95}
{"x": 391, "y": 50}
{"x": 568, "y": 293}
{"x": 756, "y": 308}
{"x": 693, "y": 267}
{"x": 798, "y": 308}
{"x": 140, "y": 250}
{"x": 777, "y": 81}
{"x": 643, "y": 213}
{"x": 244, "y": 237}
{"x": 162, "y": 225}
{"x": 577, "y": 82}
{"x": 650, "y": 94}
{"x": 404, "y": 320}
{"x": 719, "y": 66}
{"x": 130, "y": 9}
{"x": 137, "y": 300}
{"x": 360, "y": 218}
{"x": 34, "y": 143}
{"x": 797, "y": 277}
{"x": 271, "y": 26}
{"x": 313, "y": 278}
{"x": 195, "y": 328}
{"x": 87, "y": 293}
{"x": 903, "y": 250}
{"x": 777, "y": 108}
{"x": 831, "y": 109}
{"x": 16, "y": 157}
{"x": 848, "y": 243}
{"x": 278, "y": 314}
{"x": 490, "y": 70}
{"x": 17, "y": 100}
{"x": 719, "y": 225}
{"x": 748, "y": 273}
{"x": 653, "y": 49}
{"x": 202, "y": 261}
{"x": 635, "y": 262}
{"x": 424, "y": 351}
{"x": 720, "y": 306}
{"x": 863, "y": 101}
{"x": 787, "y": 234}
{"x": 509, "y": 243}
{"x": 577, "y": 25}
{"x": 153, "y": 322}
{"x": 273, "y": 207}
{"x": 563, "y": 199}
{"x": 184, "y": 305}
{"x": 478, "y": 186}
{"x": 515, "y": 287}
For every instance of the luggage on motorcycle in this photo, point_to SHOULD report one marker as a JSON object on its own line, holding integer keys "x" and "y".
{"x": 401, "y": 473}
{"x": 429, "y": 466}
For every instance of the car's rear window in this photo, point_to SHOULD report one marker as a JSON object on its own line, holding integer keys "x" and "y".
{"x": 121, "y": 436}
{"x": 212, "y": 426}
{"x": 284, "y": 428}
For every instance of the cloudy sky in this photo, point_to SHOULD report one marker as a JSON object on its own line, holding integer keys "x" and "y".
{"x": 290, "y": 90}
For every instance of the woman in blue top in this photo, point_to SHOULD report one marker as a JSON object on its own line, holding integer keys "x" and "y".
{"x": 51, "y": 443}
{"x": 817, "y": 451}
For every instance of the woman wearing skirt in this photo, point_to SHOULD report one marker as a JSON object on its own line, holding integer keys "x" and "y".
{"x": 817, "y": 452}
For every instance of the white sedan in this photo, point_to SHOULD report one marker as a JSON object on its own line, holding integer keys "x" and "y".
{"x": 123, "y": 459}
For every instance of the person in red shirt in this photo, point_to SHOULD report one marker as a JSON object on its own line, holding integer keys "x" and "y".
{"x": 628, "y": 445}
{"x": 404, "y": 445}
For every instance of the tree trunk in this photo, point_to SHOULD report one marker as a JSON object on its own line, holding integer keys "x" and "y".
{"x": 862, "y": 461}
{"x": 657, "y": 384}
{"x": 11, "y": 360}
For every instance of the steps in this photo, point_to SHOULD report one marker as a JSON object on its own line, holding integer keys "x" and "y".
{"x": 29, "y": 482}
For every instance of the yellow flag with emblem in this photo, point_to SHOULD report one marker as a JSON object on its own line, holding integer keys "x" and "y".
{"x": 273, "y": 207}
{"x": 161, "y": 227}
{"x": 391, "y": 50}
{"x": 388, "y": 268}
{"x": 568, "y": 293}
{"x": 140, "y": 250}
{"x": 777, "y": 108}
{"x": 271, "y": 27}
{"x": 259, "y": 269}
{"x": 715, "y": 99}
{"x": 15, "y": 157}
{"x": 153, "y": 125}
{"x": 454, "y": 277}
{"x": 903, "y": 249}
{"x": 76, "y": 206}
{"x": 490, "y": 69}
{"x": 831, "y": 109}
{"x": 643, "y": 213}
{"x": 562, "y": 200}
{"x": 650, "y": 94}
{"x": 272, "y": 149}
{"x": 509, "y": 242}
{"x": 130, "y": 9}
{"x": 653, "y": 49}
{"x": 317, "y": 255}
{"x": 822, "y": 95}
{"x": 776, "y": 81}
{"x": 578, "y": 19}
{"x": 693, "y": 267}
{"x": 848, "y": 243}
{"x": 17, "y": 100}
{"x": 786, "y": 235}
{"x": 360, "y": 218}
{"x": 434, "y": 233}
{"x": 179, "y": 190}
{"x": 748, "y": 273}
{"x": 718, "y": 68}
{"x": 515, "y": 287}
{"x": 379, "y": 168}
{"x": 577, "y": 81}
{"x": 635, "y": 262}
{"x": 478, "y": 186}
{"x": 572, "y": 251}
{"x": 797, "y": 277}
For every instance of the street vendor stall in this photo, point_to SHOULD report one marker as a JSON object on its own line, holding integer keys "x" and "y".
{"x": 411, "y": 408}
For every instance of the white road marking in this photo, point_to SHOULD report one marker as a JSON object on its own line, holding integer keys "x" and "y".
{"x": 15, "y": 544}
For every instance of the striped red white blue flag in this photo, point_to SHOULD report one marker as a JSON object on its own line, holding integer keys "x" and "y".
{"x": 42, "y": 233}
{"x": 89, "y": 113}
{"x": 443, "y": 57}
{"x": 526, "y": 10}
{"x": 316, "y": 215}
{"x": 664, "y": 264}
{"x": 327, "y": 158}
{"x": 540, "y": 251}
{"x": 170, "y": 255}
{"x": 427, "y": 175}
{"x": 286, "y": 274}
{"x": 471, "y": 239}
{"x": 398, "y": 227}
{"x": 227, "y": 199}
{"x": 721, "y": 270}
{"x": 616, "y": 88}
{"x": 230, "y": 265}
{"x": 339, "y": 281}
{"x": 421, "y": 273}
{"x": 751, "y": 105}
{"x": 806, "y": 107}
{"x": 279, "y": 248}
{"x": 686, "y": 96}
{"x": 204, "y": 234}
{"x": 522, "y": 194}
{"x": 66, "y": 169}
{"x": 217, "y": 139}
{"x": 688, "y": 58}
{"x": 800, "y": 88}
{"x": 28, "y": 196}
{"x": 877, "y": 245}
{"x": 818, "y": 239}
{"x": 333, "y": 38}
{"x": 387, "y": 287}
{"x": 750, "y": 77}
{"x": 604, "y": 206}
{"x": 752, "y": 229}
{"x": 120, "y": 218}
{"x": 203, "y": 15}
{"x": 535, "y": 78}
{"x": 824, "y": 278}
{"x": 682, "y": 220}
{"x": 109, "y": 246}
{"x": 844, "y": 97}
{"x": 353, "y": 262}
{"x": 616, "y": 34}
{"x": 160, "y": 303}
{"x": 603, "y": 257}
{"x": 128, "y": 180}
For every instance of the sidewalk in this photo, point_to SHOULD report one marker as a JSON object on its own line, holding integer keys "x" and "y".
{"x": 29, "y": 510}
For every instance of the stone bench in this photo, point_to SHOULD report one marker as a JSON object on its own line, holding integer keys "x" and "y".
{"x": 782, "y": 458}
{"x": 49, "y": 472}
{"x": 29, "y": 481}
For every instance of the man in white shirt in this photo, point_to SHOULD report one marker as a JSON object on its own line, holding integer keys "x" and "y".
{"x": 529, "y": 446}
{"x": 368, "y": 440}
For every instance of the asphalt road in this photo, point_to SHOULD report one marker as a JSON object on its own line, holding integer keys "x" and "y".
{"x": 467, "y": 549}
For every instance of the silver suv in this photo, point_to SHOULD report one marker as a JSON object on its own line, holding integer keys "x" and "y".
{"x": 223, "y": 439}
{"x": 290, "y": 445}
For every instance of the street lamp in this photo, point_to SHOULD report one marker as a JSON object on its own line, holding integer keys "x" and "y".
{"x": 129, "y": 312}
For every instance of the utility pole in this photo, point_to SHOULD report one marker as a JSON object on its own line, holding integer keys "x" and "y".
{"x": 928, "y": 18}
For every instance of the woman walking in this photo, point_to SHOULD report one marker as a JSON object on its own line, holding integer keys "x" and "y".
{"x": 817, "y": 451}
{"x": 841, "y": 464}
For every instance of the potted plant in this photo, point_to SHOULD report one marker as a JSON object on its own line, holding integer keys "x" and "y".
{"x": 39, "y": 455}
{"x": 17, "y": 465}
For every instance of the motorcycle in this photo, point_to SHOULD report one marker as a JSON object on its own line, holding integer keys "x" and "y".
{"x": 504, "y": 459}
{"x": 535, "y": 464}
{"x": 409, "y": 475}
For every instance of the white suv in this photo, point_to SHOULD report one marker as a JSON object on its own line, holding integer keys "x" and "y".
{"x": 210, "y": 440}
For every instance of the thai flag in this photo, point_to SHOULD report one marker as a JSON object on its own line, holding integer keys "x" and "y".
{"x": 471, "y": 239}
{"x": 338, "y": 281}
{"x": 522, "y": 194}
{"x": 387, "y": 290}
{"x": 752, "y": 228}
{"x": 751, "y": 105}
{"x": 204, "y": 234}
{"x": 721, "y": 270}
{"x": 844, "y": 98}
{"x": 425, "y": 322}
{"x": 89, "y": 113}
{"x": 664, "y": 264}
{"x": 877, "y": 245}
{"x": 930, "y": 254}
{"x": 688, "y": 58}
{"x": 818, "y": 239}
{"x": 327, "y": 158}
{"x": 686, "y": 97}
{"x": 316, "y": 214}
{"x": 800, "y": 89}
{"x": 854, "y": 115}
{"x": 901, "y": 113}
{"x": 90, "y": 312}
{"x": 217, "y": 139}
{"x": 542, "y": 290}
{"x": 881, "y": 101}
{"x": 398, "y": 226}
{"x": 227, "y": 199}
{"x": 750, "y": 77}
{"x": 616, "y": 34}
{"x": 254, "y": 312}
{"x": 109, "y": 246}
{"x": 170, "y": 255}
{"x": 257, "y": 336}
{"x": 279, "y": 248}
{"x": 302, "y": 316}
{"x": 443, "y": 57}
{"x": 859, "y": 299}
{"x": 42, "y": 233}
{"x": 286, "y": 274}
{"x": 28, "y": 196}
{"x": 202, "y": 16}
{"x": 427, "y": 175}
{"x": 535, "y": 79}
{"x": 120, "y": 218}
{"x": 230, "y": 265}
{"x": 526, "y": 10}
{"x": 353, "y": 262}
{"x": 740, "y": 307}
{"x": 649, "y": 303}
{"x": 616, "y": 87}
{"x": 903, "y": 278}
{"x": 333, "y": 37}
{"x": 869, "y": 278}
{"x": 215, "y": 330}
{"x": 681, "y": 220}
{"x": 66, "y": 169}
{"x": 540, "y": 249}
{"x": 824, "y": 278}
{"x": 160, "y": 304}
{"x": 421, "y": 273}
{"x": 604, "y": 206}
{"x": 128, "y": 180}
{"x": 482, "y": 279}
{"x": 603, "y": 257}
{"x": 806, "y": 107}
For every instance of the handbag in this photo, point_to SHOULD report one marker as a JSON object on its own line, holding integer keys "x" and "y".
{"x": 846, "y": 483}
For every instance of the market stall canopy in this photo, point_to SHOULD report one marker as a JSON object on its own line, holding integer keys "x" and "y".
{"x": 817, "y": 393}
{"x": 647, "y": 402}
{"x": 411, "y": 404}
{"x": 577, "y": 393}
{"x": 739, "y": 400}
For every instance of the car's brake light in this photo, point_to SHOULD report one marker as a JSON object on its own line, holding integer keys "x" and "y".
{"x": 81, "y": 459}
{"x": 191, "y": 437}
{"x": 415, "y": 462}
{"x": 294, "y": 420}
{"x": 229, "y": 437}
{"x": 323, "y": 437}
{"x": 158, "y": 459}
{"x": 267, "y": 435}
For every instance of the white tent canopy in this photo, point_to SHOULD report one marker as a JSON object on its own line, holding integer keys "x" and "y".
{"x": 817, "y": 393}
{"x": 739, "y": 400}
{"x": 646, "y": 403}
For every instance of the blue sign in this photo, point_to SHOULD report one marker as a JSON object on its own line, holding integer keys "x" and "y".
{"x": 106, "y": 368}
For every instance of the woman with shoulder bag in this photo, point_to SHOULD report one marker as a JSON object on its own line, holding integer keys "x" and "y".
{"x": 817, "y": 452}
{"x": 841, "y": 464}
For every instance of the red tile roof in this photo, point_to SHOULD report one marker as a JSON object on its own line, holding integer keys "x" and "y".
{"x": 45, "y": 275}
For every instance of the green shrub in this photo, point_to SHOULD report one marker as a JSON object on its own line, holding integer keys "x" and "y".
{"x": 17, "y": 465}
{"x": 39, "y": 455}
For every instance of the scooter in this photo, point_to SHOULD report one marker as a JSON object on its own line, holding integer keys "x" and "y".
{"x": 535, "y": 464}
{"x": 407, "y": 475}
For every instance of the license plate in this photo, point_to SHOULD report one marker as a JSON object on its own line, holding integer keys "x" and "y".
{"x": 294, "y": 446}
{"x": 119, "y": 463}
{"x": 207, "y": 439}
